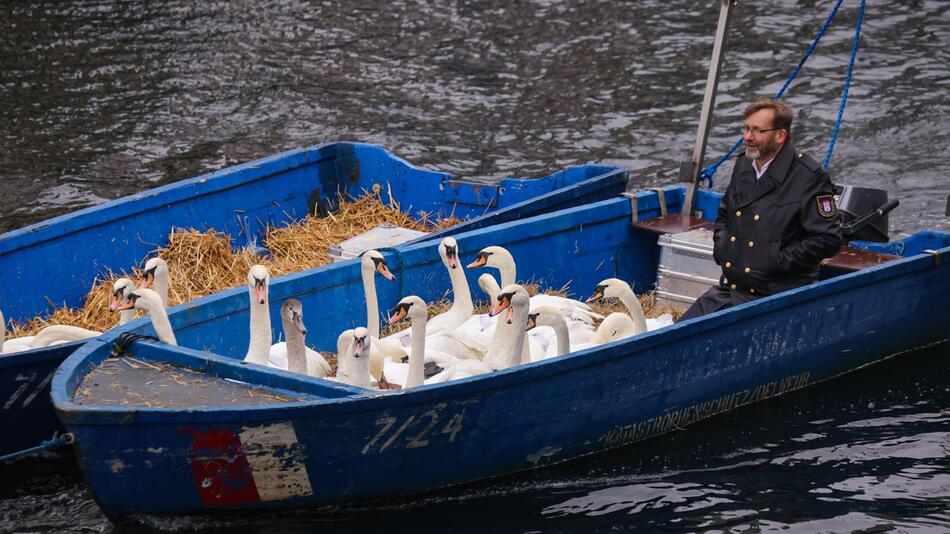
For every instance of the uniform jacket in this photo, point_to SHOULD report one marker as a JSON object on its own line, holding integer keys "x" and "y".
{"x": 772, "y": 233}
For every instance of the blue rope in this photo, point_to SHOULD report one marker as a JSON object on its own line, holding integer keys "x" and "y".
{"x": 847, "y": 85}
{"x": 54, "y": 443}
{"x": 709, "y": 171}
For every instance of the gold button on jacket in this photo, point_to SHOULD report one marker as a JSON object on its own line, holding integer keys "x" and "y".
{"x": 784, "y": 238}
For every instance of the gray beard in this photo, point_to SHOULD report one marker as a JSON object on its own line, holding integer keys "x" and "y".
{"x": 752, "y": 153}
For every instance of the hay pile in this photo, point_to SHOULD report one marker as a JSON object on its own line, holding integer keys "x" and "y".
{"x": 202, "y": 263}
{"x": 305, "y": 244}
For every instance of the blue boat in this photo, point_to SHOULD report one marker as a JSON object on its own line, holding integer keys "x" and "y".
{"x": 304, "y": 442}
{"x": 241, "y": 201}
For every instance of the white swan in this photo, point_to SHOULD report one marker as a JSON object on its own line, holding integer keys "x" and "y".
{"x": 507, "y": 346}
{"x": 150, "y": 301}
{"x": 413, "y": 374}
{"x": 258, "y": 285}
{"x": 294, "y": 355}
{"x": 615, "y": 326}
{"x": 534, "y": 345}
{"x": 499, "y": 258}
{"x": 616, "y": 288}
{"x": 50, "y": 335}
{"x": 563, "y": 330}
{"x": 415, "y": 308}
{"x": 61, "y": 333}
{"x": 353, "y": 347}
{"x": 120, "y": 291}
{"x": 372, "y": 262}
{"x": 462, "y": 306}
{"x": 156, "y": 274}
{"x": 56, "y": 334}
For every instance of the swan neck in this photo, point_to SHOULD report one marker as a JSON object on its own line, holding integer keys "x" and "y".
{"x": 126, "y": 316}
{"x": 563, "y": 338}
{"x": 508, "y": 346}
{"x": 519, "y": 351}
{"x": 632, "y": 303}
{"x": 417, "y": 355}
{"x": 357, "y": 370}
{"x": 296, "y": 348}
{"x": 162, "y": 326}
{"x": 508, "y": 273}
{"x": 372, "y": 305}
{"x": 161, "y": 287}
{"x": 258, "y": 350}
{"x": 461, "y": 294}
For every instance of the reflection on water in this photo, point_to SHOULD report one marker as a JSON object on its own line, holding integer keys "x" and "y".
{"x": 103, "y": 99}
{"x": 636, "y": 498}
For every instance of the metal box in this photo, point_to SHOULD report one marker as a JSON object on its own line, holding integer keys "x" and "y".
{"x": 686, "y": 269}
{"x": 384, "y": 235}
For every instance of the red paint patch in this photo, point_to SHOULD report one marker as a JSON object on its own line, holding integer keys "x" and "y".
{"x": 222, "y": 474}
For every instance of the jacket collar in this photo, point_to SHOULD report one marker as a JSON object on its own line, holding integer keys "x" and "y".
{"x": 748, "y": 189}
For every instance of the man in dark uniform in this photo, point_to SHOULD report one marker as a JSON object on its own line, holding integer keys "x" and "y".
{"x": 777, "y": 220}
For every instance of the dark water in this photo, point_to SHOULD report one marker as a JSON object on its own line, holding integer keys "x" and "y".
{"x": 102, "y": 99}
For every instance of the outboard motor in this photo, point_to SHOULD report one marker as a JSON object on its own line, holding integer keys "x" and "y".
{"x": 863, "y": 212}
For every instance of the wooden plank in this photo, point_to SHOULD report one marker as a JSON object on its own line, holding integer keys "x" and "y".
{"x": 672, "y": 223}
{"x": 852, "y": 259}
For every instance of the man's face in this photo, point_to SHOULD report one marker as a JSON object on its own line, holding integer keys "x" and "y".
{"x": 766, "y": 144}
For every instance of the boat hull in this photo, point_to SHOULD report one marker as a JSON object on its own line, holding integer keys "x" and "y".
{"x": 346, "y": 445}
{"x": 241, "y": 201}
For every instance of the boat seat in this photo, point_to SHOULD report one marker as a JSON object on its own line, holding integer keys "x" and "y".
{"x": 848, "y": 259}
{"x": 672, "y": 223}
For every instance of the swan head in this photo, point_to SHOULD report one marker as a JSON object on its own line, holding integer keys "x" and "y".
{"x": 449, "y": 251}
{"x": 258, "y": 283}
{"x": 292, "y": 311}
{"x": 411, "y": 306}
{"x": 544, "y": 316}
{"x": 361, "y": 342}
{"x": 609, "y": 288}
{"x": 512, "y": 296}
{"x": 142, "y": 298}
{"x": 492, "y": 256}
{"x": 373, "y": 260}
{"x": 154, "y": 268}
{"x": 120, "y": 290}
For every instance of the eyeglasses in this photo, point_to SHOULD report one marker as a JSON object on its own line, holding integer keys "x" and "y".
{"x": 755, "y": 130}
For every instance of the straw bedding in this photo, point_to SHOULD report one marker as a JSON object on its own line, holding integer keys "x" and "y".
{"x": 202, "y": 263}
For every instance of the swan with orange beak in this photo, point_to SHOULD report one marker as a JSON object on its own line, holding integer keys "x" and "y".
{"x": 507, "y": 345}
{"x": 149, "y": 300}
{"x": 258, "y": 349}
{"x": 121, "y": 289}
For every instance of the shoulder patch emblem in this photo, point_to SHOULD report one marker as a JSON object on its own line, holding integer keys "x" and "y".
{"x": 826, "y": 206}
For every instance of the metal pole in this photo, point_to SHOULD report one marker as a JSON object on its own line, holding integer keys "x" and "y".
{"x": 689, "y": 171}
